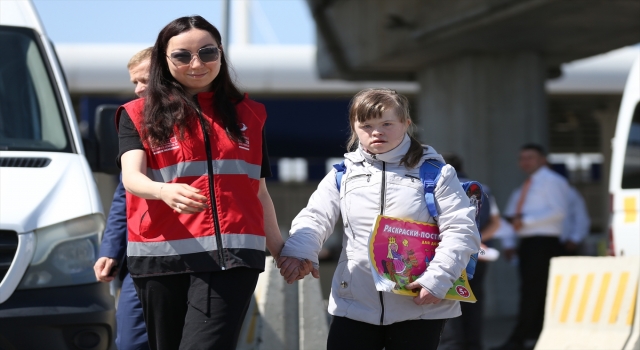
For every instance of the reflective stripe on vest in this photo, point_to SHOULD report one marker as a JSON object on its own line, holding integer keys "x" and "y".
{"x": 199, "y": 168}
{"x": 196, "y": 245}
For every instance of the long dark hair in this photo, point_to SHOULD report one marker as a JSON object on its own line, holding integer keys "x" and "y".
{"x": 168, "y": 105}
{"x": 371, "y": 103}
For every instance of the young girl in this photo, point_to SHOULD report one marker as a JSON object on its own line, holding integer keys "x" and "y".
{"x": 381, "y": 179}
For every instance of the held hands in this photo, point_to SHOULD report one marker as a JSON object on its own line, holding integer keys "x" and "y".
{"x": 293, "y": 269}
{"x": 105, "y": 269}
{"x": 424, "y": 297}
{"x": 516, "y": 222}
{"x": 183, "y": 198}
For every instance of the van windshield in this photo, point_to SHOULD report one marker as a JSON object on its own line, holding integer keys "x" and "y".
{"x": 631, "y": 170}
{"x": 30, "y": 113}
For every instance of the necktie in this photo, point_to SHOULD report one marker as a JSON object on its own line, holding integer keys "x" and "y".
{"x": 523, "y": 196}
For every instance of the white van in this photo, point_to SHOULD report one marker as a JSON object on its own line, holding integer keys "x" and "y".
{"x": 624, "y": 185}
{"x": 51, "y": 218}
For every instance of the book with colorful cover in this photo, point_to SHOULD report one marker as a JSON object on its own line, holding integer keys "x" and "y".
{"x": 401, "y": 250}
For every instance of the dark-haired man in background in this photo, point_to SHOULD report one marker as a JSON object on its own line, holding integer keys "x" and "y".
{"x": 537, "y": 211}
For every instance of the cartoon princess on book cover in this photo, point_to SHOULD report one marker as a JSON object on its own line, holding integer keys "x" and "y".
{"x": 401, "y": 250}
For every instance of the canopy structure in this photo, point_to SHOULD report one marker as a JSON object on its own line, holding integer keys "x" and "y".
{"x": 291, "y": 70}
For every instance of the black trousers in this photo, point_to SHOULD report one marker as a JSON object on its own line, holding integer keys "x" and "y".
{"x": 535, "y": 255}
{"x": 347, "y": 334}
{"x": 465, "y": 332}
{"x": 196, "y": 311}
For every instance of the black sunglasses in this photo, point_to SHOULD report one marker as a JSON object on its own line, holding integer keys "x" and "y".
{"x": 205, "y": 54}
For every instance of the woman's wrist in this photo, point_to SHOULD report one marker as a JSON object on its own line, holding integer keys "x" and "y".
{"x": 160, "y": 190}
{"x": 276, "y": 250}
{"x": 275, "y": 253}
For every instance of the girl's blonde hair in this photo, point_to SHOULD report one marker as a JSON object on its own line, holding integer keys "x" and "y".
{"x": 371, "y": 103}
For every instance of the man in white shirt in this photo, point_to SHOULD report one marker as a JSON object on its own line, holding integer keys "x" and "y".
{"x": 537, "y": 211}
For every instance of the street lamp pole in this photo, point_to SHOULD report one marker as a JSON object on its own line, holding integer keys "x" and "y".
{"x": 226, "y": 21}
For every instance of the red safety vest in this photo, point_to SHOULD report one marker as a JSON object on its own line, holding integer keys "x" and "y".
{"x": 230, "y": 233}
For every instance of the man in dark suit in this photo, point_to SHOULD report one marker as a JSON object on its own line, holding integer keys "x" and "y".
{"x": 131, "y": 331}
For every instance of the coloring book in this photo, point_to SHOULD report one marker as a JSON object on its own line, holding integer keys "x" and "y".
{"x": 401, "y": 250}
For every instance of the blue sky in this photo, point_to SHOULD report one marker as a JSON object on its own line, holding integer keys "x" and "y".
{"x": 139, "y": 21}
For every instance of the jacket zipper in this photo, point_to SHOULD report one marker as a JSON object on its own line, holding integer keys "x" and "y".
{"x": 212, "y": 193}
{"x": 413, "y": 178}
{"x": 383, "y": 189}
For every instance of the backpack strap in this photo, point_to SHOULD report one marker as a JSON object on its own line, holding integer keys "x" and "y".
{"x": 429, "y": 175}
{"x": 341, "y": 169}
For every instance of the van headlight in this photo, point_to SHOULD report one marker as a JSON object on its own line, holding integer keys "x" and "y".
{"x": 65, "y": 253}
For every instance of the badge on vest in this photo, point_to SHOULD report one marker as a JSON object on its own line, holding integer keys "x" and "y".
{"x": 169, "y": 146}
{"x": 244, "y": 145}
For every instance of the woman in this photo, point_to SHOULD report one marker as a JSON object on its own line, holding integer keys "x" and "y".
{"x": 193, "y": 160}
{"x": 380, "y": 179}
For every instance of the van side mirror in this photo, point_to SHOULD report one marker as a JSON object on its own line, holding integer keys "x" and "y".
{"x": 107, "y": 139}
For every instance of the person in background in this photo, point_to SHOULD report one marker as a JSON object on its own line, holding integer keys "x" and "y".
{"x": 465, "y": 332}
{"x": 537, "y": 210}
{"x": 131, "y": 333}
{"x": 575, "y": 230}
{"x": 576, "y": 224}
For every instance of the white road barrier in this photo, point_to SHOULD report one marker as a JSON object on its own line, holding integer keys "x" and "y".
{"x": 591, "y": 304}
{"x": 283, "y": 316}
{"x": 634, "y": 339}
{"x": 312, "y": 310}
{"x": 249, "y": 335}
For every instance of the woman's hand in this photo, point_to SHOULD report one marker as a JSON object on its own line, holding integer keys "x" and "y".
{"x": 183, "y": 198}
{"x": 424, "y": 297}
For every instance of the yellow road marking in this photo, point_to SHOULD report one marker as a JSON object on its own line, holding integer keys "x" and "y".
{"x": 632, "y": 309}
{"x": 601, "y": 295}
{"x": 585, "y": 297}
{"x": 617, "y": 302}
{"x": 568, "y": 299}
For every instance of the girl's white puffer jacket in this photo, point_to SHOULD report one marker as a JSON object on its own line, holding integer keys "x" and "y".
{"x": 376, "y": 185}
